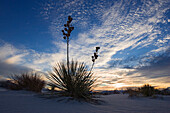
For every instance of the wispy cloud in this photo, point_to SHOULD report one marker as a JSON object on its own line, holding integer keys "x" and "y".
{"x": 123, "y": 27}
{"x": 17, "y": 59}
{"x": 11, "y": 60}
{"x": 7, "y": 50}
{"x": 131, "y": 35}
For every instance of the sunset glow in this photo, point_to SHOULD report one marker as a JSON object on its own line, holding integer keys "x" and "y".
{"x": 134, "y": 37}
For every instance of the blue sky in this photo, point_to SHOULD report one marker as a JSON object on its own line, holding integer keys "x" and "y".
{"x": 134, "y": 36}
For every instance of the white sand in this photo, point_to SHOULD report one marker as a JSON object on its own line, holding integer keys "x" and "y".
{"x": 27, "y": 102}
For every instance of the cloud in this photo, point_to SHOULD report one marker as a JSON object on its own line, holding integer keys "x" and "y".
{"x": 11, "y": 54}
{"x": 159, "y": 67}
{"x": 131, "y": 35}
{"x": 11, "y": 59}
{"x": 7, "y": 70}
{"x": 16, "y": 59}
{"x": 7, "y": 50}
{"x": 157, "y": 73}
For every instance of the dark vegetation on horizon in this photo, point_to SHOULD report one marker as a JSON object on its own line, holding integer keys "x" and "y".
{"x": 146, "y": 91}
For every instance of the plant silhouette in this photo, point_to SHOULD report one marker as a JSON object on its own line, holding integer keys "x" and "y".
{"x": 77, "y": 83}
{"x": 73, "y": 78}
{"x": 147, "y": 90}
{"x": 27, "y": 81}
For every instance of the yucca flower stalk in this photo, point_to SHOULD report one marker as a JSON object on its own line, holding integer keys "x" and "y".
{"x": 66, "y": 32}
{"x": 94, "y": 58}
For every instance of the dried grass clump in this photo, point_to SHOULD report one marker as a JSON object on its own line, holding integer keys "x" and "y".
{"x": 8, "y": 84}
{"x": 31, "y": 82}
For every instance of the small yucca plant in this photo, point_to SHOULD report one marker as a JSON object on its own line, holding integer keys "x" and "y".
{"x": 31, "y": 82}
{"x": 147, "y": 90}
{"x": 77, "y": 83}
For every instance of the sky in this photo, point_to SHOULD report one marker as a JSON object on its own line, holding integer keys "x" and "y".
{"x": 134, "y": 36}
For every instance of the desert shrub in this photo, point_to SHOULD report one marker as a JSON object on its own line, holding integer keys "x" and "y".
{"x": 75, "y": 82}
{"x": 132, "y": 92}
{"x": 9, "y": 85}
{"x": 147, "y": 90}
{"x": 31, "y": 82}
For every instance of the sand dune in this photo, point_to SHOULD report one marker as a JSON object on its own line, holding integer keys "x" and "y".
{"x": 28, "y": 102}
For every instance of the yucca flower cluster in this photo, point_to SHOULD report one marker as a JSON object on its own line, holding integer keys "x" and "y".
{"x": 68, "y": 28}
{"x": 66, "y": 32}
{"x": 94, "y": 57}
{"x": 95, "y": 54}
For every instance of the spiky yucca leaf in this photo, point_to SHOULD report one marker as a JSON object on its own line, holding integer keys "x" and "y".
{"x": 77, "y": 83}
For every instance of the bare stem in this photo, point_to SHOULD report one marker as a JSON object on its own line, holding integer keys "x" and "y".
{"x": 92, "y": 67}
{"x": 68, "y": 54}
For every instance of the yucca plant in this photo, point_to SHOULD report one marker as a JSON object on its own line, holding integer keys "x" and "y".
{"x": 72, "y": 78}
{"x": 76, "y": 83}
{"x": 147, "y": 90}
{"x": 31, "y": 82}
